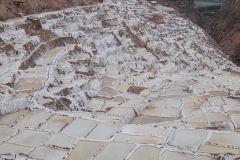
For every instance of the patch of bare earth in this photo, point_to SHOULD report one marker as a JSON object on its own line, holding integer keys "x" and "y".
{"x": 12, "y": 9}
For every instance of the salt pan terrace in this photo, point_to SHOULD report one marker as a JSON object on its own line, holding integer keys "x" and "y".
{"x": 113, "y": 81}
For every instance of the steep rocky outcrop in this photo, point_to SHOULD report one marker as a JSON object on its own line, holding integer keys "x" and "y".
{"x": 186, "y": 9}
{"x": 225, "y": 29}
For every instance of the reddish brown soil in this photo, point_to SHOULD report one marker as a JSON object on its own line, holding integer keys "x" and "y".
{"x": 135, "y": 89}
{"x": 16, "y": 8}
{"x": 90, "y": 72}
{"x": 225, "y": 29}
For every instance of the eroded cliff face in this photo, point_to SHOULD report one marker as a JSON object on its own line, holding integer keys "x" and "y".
{"x": 225, "y": 29}
{"x": 17, "y": 8}
{"x": 186, "y": 9}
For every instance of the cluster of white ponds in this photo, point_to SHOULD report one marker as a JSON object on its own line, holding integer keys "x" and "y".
{"x": 113, "y": 81}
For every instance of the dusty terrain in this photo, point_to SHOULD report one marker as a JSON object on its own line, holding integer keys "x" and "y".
{"x": 225, "y": 29}
{"x": 113, "y": 81}
{"x": 17, "y": 8}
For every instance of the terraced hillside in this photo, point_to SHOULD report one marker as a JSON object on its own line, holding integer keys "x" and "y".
{"x": 118, "y": 80}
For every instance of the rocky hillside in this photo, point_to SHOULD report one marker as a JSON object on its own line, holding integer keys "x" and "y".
{"x": 17, "y": 8}
{"x": 225, "y": 29}
{"x": 186, "y": 9}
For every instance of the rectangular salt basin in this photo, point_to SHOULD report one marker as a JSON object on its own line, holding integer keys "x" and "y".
{"x": 65, "y": 77}
{"x": 3, "y": 88}
{"x": 108, "y": 92}
{"x": 35, "y": 75}
{"x": 146, "y": 130}
{"x": 74, "y": 113}
{"x": 57, "y": 89}
{"x": 142, "y": 119}
{"x": 120, "y": 99}
{"x": 205, "y": 158}
{"x": 37, "y": 69}
{"x": 218, "y": 149}
{"x": 190, "y": 105}
{"x": 206, "y": 86}
{"x": 95, "y": 83}
{"x": 197, "y": 124}
{"x": 122, "y": 87}
{"x": 172, "y": 124}
{"x": 119, "y": 111}
{"x": 24, "y": 86}
{"x": 191, "y": 111}
{"x": 86, "y": 150}
{"x": 175, "y": 87}
{"x": 236, "y": 120}
{"x": 47, "y": 153}
{"x": 232, "y": 101}
{"x": 131, "y": 95}
{"x": 138, "y": 139}
{"x": 216, "y": 116}
{"x": 170, "y": 155}
{"x": 203, "y": 103}
{"x": 6, "y": 132}
{"x": 231, "y": 139}
{"x": 28, "y": 137}
{"x": 15, "y": 97}
{"x": 9, "y": 119}
{"x": 66, "y": 85}
{"x": 146, "y": 153}
{"x": 116, "y": 151}
{"x": 108, "y": 79}
{"x": 54, "y": 52}
{"x": 150, "y": 111}
{"x": 6, "y": 79}
{"x": 33, "y": 119}
{"x": 83, "y": 128}
{"x": 170, "y": 112}
{"x": 174, "y": 103}
{"x": 158, "y": 104}
{"x": 45, "y": 61}
{"x": 108, "y": 105}
{"x": 13, "y": 148}
{"x": 31, "y": 80}
{"x": 131, "y": 103}
{"x": 56, "y": 123}
{"x": 196, "y": 98}
{"x": 194, "y": 138}
{"x": 7, "y": 65}
{"x": 108, "y": 118}
{"x": 29, "y": 91}
{"x": 61, "y": 140}
{"x": 195, "y": 118}
{"x": 95, "y": 103}
{"x": 80, "y": 81}
{"x": 104, "y": 131}
{"x": 174, "y": 92}
{"x": 152, "y": 82}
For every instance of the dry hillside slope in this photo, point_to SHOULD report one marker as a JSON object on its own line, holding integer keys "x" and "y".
{"x": 16, "y": 8}
{"x": 225, "y": 28}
